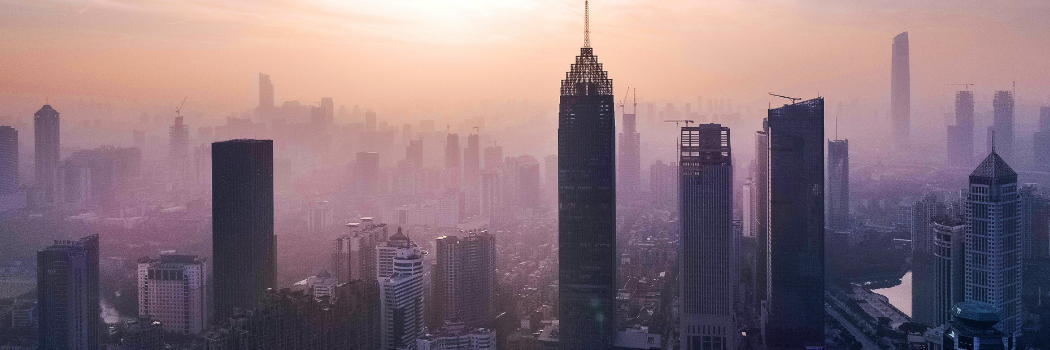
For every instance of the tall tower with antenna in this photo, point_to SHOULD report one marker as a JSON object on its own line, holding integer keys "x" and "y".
{"x": 587, "y": 203}
{"x": 630, "y": 153}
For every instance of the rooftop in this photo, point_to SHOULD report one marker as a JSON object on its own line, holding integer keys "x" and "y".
{"x": 993, "y": 166}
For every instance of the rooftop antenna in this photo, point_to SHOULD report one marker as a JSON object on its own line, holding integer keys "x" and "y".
{"x": 836, "y": 128}
{"x": 586, "y": 24}
{"x": 992, "y": 136}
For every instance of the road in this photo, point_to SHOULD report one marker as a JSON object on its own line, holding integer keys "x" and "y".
{"x": 857, "y": 333}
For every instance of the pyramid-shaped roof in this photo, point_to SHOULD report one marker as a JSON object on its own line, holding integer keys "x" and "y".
{"x": 46, "y": 110}
{"x": 993, "y": 166}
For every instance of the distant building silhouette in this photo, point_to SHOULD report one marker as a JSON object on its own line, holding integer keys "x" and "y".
{"x": 8, "y": 160}
{"x": 630, "y": 154}
{"x": 960, "y": 135}
{"x": 587, "y": 206}
{"x": 1003, "y": 104}
{"x": 838, "y": 184}
{"x": 993, "y": 241}
{"x": 243, "y": 248}
{"x": 266, "y": 102}
{"x": 366, "y": 173}
{"x": 493, "y": 157}
{"x": 707, "y": 263}
{"x": 47, "y": 146}
{"x": 68, "y": 295}
{"x": 796, "y": 226}
{"x": 900, "y": 91}
{"x": 472, "y": 160}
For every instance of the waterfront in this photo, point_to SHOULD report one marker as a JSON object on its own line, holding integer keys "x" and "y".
{"x": 900, "y": 295}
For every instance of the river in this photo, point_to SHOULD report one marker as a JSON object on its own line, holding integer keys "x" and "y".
{"x": 899, "y": 295}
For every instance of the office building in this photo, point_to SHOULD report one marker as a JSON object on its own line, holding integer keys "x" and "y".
{"x": 923, "y": 236}
{"x": 1035, "y": 224}
{"x": 8, "y": 160}
{"x": 472, "y": 160}
{"x": 796, "y": 226}
{"x": 993, "y": 241}
{"x": 949, "y": 268}
{"x": 322, "y": 285}
{"x": 1003, "y": 105}
{"x": 464, "y": 279}
{"x": 68, "y": 295}
{"x": 960, "y": 135}
{"x": 973, "y": 327}
{"x": 457, "y": 336}
{"x": 587, "y": 205}
{"x": 353, "y": 258}
{"x": 243, "y": 250}
{"x": 663, "y": 184}
{"x": 706, "y": 254}
{"x": 493, "y": 157}
{"x": 529, "y": 186}
{"x": 760, "y": 180}
{"x": 1041, "y": 141}
{"x": 173, "y": 290}
{"x": 366, "y": 174}
{"x": 266, "y": 101}
{"x": 900, "y": 91}
{"x": 46, "y": 150}
{"x": 630, "y": 154}
{"x": 400, "y": 266}
{"x": 838, "y": 184}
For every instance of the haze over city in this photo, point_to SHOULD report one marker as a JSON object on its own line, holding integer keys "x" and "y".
{"x": 524, "y": 174}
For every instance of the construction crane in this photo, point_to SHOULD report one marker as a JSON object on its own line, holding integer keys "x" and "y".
{"x": 677, "y": 121}
{"x": 624, "y": 101}
{"x": 793, "y": 99}
{"x": 178, "y": 110}
{"x": 966, "y": 85}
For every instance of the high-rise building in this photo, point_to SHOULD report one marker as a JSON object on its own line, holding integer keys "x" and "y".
{"x": 529, "y": 186}
{"x": 370, "y": 121}
{"x": 400, "y": 267}
{"x": 706, "y": 254}
{"x": 1041, "y": 141}
{"x": 923, "y": 237}
{"x": 760, "y": 180}
{"x": 960, "y": 135}
{"x": 493, "y": 157}
{"x": 587, "y": 205}
{"x": 354, "y": 256}
{"x": 993, "y": 241}
{"x": 414, "y": 153}
{"x": 46, "y": 142}
{"x": 173, "y": 290}
{"x": 179, "y": 151}
{"x": 1035, "y": 224}
{"x": 328, "y": 107}
{"x": 452, "y": 151}
{"x": 366, "y": 173}
{"x": 630, "y": 154}
{"x": 68, "y": 295}
{"x": 949, "y": 269}
{"x": 266, "y": 102}
{"x": 663, "y": 184}
{"x": 1003, "y": 104}
{"x": 472, "y": 160}
{"x": 838, "y": 184}
{"x": 900, "y": 91}
{"x": 8, "y": 160}
{"x": 796, "y": 226}
{"x": 243, "y": 244}
{"x": 464, "y": 279}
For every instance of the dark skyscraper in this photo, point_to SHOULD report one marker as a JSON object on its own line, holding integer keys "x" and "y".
{"x": 706, "y": 263}
{"x": 924, "y": 276}
{"x": 900, "y": 91}
{"x": 45, "y": 127}
{"x": 761, "y": 218}
{"x": 587, "y": 205}
{"x": 960, "y": 135}
{"x": 68, "y": 295}
{"x": 796, "y": 226}
{"x": 838, "y": 184}
{"x": 1041, "y": 141}
{"x": 242, "y": 223}
{"x": 993, "y": 241}
{"x": 8, "y": 160}
{"x": 1003, "y": 103}
{"x": 630, "y": 154}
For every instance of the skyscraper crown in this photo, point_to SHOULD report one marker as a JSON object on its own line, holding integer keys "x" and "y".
{"x": 586, "y": 77}
{"x": 993, "y": 166}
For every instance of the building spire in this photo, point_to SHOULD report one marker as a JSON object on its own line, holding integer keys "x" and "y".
{"x": 586, "y": 24}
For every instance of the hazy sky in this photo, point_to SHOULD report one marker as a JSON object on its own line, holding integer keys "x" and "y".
{"x": 443, "y": 56}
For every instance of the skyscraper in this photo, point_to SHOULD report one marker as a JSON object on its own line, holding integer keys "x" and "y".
{"x": 900, "y": 91}
{"x": 242, "y": 223}
{"x": 706, "y": 252}
{"x": 796, "y": 226}
{"x": 472, "y": 160}
{"x": 587, "y": 205}
{"x": 8, "y": 160}
{"x": 453, "y": 166}
{"x": 949, "y": 269}
{"x": 400, "y": 267}
{"x": 354, "y": 256}
{"x": 924, "y": 277}
{"x": 464, "y": 278}
{"x": 266, "y": 102}
{"x": 1003, "y": 104}
{"x": 630, "y": 154}
{"x": 993, "y": 240}
{"x": 1041, "y": 139}
{"x": 179, "y": 151}
{"x": 493, "y": 157}
{"x": 68, "y": 295}
{"x": 366, "y": 170}
{"x": 960, "y": 135}
{"x": 46, "y": 141}
{"x": 173, "y": 290}
{"x": 838, "y": 184}
{"x": 760, "y": 180}
{"x": 1035, "y": 224}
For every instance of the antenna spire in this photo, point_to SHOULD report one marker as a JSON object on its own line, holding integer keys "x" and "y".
{"x": 586, "y": 24}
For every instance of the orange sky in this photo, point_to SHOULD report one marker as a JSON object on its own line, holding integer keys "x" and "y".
{"x": 442, "y": 56}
